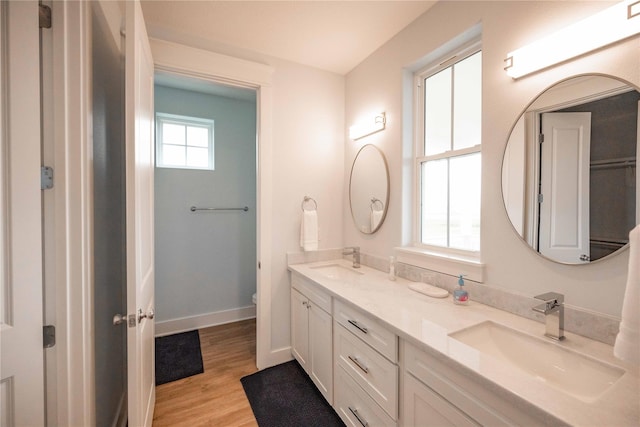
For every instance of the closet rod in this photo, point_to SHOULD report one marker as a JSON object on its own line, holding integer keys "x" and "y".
{"x": 614, "y": 163}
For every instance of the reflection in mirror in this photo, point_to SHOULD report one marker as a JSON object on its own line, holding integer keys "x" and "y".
{"x": 569, "y": 177}
{"x": 369, "y": 189}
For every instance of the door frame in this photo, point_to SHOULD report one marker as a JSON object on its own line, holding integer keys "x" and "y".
{"x": 68, "y": 284}
{"x": 181, "y": 60}
{"x": 70, "y": 369}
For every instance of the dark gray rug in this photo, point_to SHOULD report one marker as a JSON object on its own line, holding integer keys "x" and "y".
{"x": 178, "y": 356}
{"x": 284, "y": 396}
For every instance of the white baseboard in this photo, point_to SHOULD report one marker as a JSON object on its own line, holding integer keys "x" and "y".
{"x": 183, "y": 324}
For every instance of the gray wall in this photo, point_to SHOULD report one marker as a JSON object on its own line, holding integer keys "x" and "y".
{"x": 109, "y": 222}
{"x": 206, "y": 262}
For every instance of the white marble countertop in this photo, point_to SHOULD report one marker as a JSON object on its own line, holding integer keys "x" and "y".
{"x": 427, "y": 323}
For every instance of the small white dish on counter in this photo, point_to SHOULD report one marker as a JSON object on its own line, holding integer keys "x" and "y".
{"x": 428, "y": 290}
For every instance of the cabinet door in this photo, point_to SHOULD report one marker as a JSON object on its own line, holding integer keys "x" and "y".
{"x": 321, "y": 350}
{"x": 424, "y": 407}
{"x": 300, "y": 328}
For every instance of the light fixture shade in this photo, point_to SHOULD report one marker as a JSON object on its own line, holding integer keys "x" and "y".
{"x": 368, "y": 126}
{"x": 616, "y": 23}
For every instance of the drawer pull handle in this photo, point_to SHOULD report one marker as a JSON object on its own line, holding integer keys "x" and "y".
{"x": 359, "y": 364}
{"x": 361, "y": 420}
{"x": 357, "y": 325}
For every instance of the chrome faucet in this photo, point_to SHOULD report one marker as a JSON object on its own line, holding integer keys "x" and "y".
{"x": 355, "y": 251}
{"x": 553, "y": 310}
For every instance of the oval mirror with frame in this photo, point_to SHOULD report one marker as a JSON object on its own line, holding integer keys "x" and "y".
{"x": 369, "y": 189}
{"x": 569, "y": 177}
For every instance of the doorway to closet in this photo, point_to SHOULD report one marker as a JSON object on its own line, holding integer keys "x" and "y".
{"x": 205, "y": 203}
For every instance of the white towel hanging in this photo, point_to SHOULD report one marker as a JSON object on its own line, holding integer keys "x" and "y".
{"x": 627, "y": 345}
{"x": 376, "y": 217}
{"x": 309, "y": 230}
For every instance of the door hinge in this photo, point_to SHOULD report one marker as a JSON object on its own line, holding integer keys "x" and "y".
{"x": 46, "y": 177}
{"x": 541, "y": 138}
{"x": 44, "y": 14}
{"x": 540, "y": 198}
{"x": 48, "y": 336}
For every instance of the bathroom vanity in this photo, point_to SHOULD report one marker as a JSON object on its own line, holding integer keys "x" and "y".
{"x": 385, "y": 355}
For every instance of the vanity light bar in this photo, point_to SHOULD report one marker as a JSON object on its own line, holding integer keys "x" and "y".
{"x": 367, "y": 127}
{"x": 611, "y": 25}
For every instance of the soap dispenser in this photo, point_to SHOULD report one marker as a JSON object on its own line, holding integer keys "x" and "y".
{"x": 460, "y": 296}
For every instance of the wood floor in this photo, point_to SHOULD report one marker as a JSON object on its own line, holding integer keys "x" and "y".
{"x": 215, "y": 397}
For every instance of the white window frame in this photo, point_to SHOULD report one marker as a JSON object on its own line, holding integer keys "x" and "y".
{"x": 439, "y": 258}
{"x": 162, "y": 118}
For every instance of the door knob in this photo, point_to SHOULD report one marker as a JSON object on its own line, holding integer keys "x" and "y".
{"x": 143, "y": 315}
{"x": 119, "y": 319}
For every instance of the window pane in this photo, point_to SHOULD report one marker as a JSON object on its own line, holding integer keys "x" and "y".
{"x": 197, "y": 157}
{"x": 464, "y": 202}
{"x": 173, "y": 134}
{"x": 467, "y": 102}
{"x": 173, "y": 155}
{"x": 437, "y": 112}
{"x": 197, "y": 136}
{"x": 434, "y": 202}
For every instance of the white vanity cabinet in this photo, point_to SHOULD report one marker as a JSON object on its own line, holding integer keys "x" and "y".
{"x": 365, "y": 357}
{"x": 435, "y": 394}
{"x": 312, "y": 333}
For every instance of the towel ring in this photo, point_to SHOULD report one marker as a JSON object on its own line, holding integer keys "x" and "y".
{"x": 309, "y": 199}
{"x": 373, "y": 204}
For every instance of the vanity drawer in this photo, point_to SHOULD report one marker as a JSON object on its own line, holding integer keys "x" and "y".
{"x": 351, "y": 403}
{"x": 375, "y": 374}
{"x": 311, "y": 291}
{"x": 424, "y": 407}
{"x": 434, "y": 374}
{"x": 368, "y": 329}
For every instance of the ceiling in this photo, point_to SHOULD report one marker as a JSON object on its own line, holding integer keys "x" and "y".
{"x": 330, "y": 35}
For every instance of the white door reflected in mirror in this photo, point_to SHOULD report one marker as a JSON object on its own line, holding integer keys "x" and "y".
{"x": 564, "y": 186}
{"x": 569, "y": 180}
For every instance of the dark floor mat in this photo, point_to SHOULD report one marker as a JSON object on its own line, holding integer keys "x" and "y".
{"x": 284, "y": 396}
{"x": 178, "y": 356}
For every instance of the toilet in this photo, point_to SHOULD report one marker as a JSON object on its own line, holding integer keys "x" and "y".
{"x": 254, "y": 299}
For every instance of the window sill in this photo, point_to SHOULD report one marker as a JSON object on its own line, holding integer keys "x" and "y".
{"x": 448, "y": 263}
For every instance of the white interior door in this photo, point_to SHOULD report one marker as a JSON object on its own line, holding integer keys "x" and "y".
{"x": 564, "y": 177}
{"x": 21, "y": 366}
{"x": 139, "y": 212}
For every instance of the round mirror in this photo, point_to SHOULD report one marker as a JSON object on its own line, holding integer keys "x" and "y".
{"x": 369, "y": 189}
{"x": 569, "y": 177}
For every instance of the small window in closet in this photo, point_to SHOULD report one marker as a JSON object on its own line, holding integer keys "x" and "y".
{"x": 184, "y": 142}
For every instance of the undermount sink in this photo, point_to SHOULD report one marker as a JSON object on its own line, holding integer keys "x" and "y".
{"x": 573, "y": 373}
{"x": 337, "y": 271}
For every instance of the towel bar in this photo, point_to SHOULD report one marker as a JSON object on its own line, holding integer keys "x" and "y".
{"x": 193, "y": 209}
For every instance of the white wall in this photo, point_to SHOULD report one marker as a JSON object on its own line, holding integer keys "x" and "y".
{"x": 205, "y": 261}
{"x": 308, "y": 139}
{"x": 377, "y": 85}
